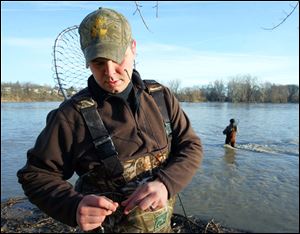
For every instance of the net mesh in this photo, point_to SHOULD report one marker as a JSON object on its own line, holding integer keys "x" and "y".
{"x": 70, "y": 72}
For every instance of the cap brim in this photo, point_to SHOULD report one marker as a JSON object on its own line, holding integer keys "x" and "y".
{"x": 108, "y": 51}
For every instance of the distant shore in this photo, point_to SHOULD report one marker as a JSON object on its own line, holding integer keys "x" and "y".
{"x": 31, "y": 100}
{"x": 242, "y": 89}
{"x": 62, "y": 99}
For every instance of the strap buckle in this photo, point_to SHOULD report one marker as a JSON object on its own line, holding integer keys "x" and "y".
{"x": 101, "y": 141}
{"x": 105, "y": 147}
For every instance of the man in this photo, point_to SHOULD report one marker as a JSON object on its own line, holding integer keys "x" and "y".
{"x": 230, "y": 132}
{"x": 131, "y": 162}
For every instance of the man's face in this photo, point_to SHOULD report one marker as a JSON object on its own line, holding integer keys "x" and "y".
{"x": 111, "y": 76}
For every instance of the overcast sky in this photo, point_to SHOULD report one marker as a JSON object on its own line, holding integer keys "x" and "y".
{"x": 194, "y": 42}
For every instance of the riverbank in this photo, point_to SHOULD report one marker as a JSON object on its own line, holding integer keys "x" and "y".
{"x": 18, "y": 215}
{"x": 58, "y": 99}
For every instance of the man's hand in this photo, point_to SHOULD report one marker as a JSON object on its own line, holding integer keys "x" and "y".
{"x": 92, "y": 211}
{"x": 151, "y": 195}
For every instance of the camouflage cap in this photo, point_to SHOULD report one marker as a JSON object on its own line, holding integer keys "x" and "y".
{"x": 104, "y": 33}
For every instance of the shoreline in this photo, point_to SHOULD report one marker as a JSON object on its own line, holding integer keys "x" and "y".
{"x": 18, "y": 215}
{"x": 61, "y": 100}
{"x": 21, "y": 101}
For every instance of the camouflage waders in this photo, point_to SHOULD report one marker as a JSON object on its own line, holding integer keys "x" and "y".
{"x": 136, "y": 172}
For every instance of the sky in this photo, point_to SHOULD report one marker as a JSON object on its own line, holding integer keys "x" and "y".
{"x": 193, "y": 42}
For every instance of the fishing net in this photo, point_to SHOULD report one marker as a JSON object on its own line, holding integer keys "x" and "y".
{"x": 70, "y": 72}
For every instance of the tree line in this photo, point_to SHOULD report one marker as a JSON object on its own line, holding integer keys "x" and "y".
{"x": 24, "y": 92}
{"x": 241, "y": 88}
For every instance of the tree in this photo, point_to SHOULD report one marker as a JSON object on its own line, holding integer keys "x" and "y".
{"x": 174, "y": 86}
{"x": 242, "y": 88}
{"x": 293, "y": 91}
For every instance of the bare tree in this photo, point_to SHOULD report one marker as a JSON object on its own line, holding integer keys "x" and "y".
{"x": 219, "y": 88}
{"x": 174, "y": 86}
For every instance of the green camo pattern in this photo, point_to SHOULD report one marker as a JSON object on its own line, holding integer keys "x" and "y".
{"x": 136, "y": 172}
{"x": 104, "y": 33}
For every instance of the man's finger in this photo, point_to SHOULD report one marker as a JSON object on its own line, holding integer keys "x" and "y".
{"x": 94, "y": 211}
{"x": 100, "y": 201}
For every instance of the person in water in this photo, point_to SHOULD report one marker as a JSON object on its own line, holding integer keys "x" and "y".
{"x": 230, "y": 132}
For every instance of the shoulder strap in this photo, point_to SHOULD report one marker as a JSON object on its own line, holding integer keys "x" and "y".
{"x": 101, "y": 138}
{"x": 155, "y": 89}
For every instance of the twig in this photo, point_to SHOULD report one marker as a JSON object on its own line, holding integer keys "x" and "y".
{"x": 206, "y": 227}
{"x": 287, "y": 16}
{"x": 138, "y": 9}
{"x": 156, "y": 6}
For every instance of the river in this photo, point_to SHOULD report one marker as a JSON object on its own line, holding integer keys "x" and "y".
{"x": 254, "y": 188}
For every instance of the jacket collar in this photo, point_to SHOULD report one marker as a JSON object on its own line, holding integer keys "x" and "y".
{"x": 137, "y": 80}
{"x": 101, "y": 95}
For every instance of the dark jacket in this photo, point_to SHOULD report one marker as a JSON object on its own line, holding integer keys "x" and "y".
{"x": 230, "y": 132}
{"x": 65, "y": 146}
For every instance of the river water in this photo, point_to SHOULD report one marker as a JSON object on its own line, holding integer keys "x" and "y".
{"x": 253, "y": 188}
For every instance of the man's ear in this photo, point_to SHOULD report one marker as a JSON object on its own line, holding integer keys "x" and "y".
{"x": 133, "y": 47}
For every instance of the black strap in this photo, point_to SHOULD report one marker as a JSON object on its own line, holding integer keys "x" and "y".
{"x": 156, "y": 91}
{"x": 102, "y": 141}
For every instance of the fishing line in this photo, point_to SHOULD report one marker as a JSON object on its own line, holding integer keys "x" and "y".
{"x": 184, "y": 212}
